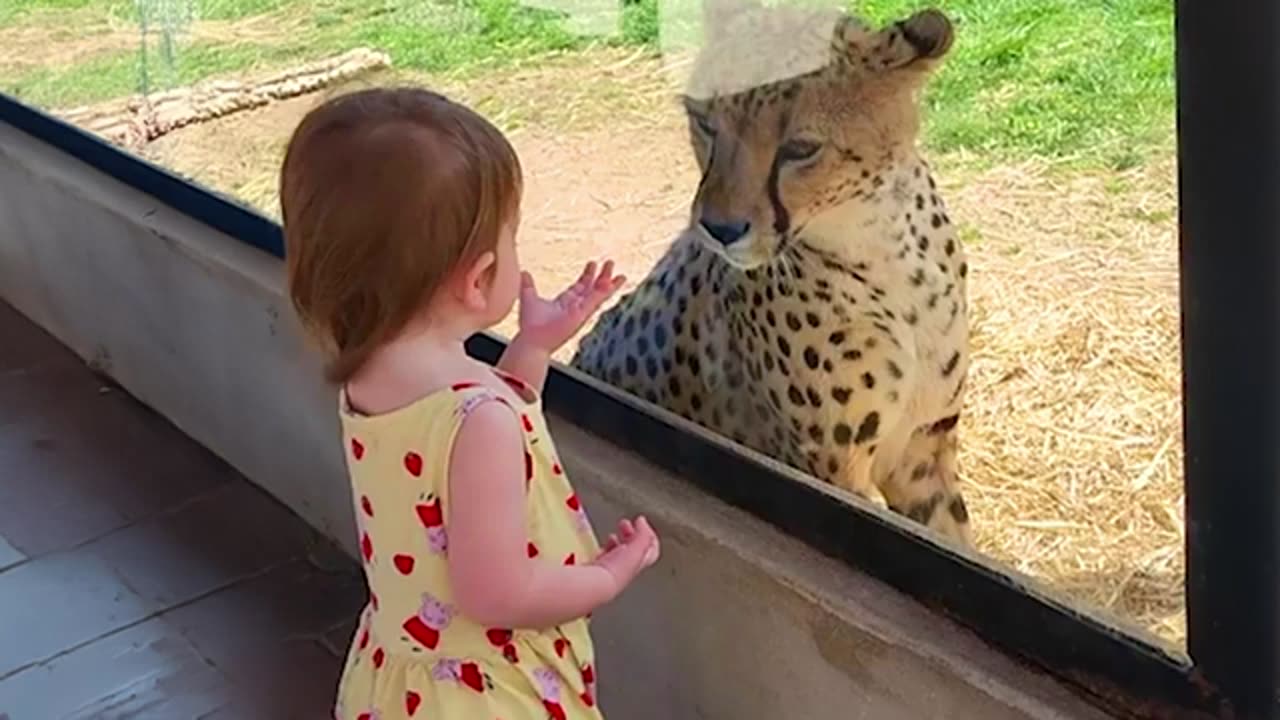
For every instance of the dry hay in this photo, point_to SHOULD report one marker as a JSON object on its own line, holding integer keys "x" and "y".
{"x": 1070, "y": 445}
{"x": 1071, "y": 441}
{"x": 625, "y": 90}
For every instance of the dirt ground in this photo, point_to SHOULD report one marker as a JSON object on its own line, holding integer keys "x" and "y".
{"x": 1071, "y": 439}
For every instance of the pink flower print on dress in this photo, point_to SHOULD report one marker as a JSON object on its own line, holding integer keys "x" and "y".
{"x": 432, "y": 618}
{"x": 370, "y": 714}
{"x": 446, "y": 670}
{"x": 549, "y": 689}
{"x": 462, "y": 672}
{"x": 431, "y": 515}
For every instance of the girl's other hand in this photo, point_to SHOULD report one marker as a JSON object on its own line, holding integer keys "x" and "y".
{"x": 633, "y": 548}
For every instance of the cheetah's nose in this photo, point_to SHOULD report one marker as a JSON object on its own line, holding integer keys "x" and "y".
{"x": 726, "y": 232}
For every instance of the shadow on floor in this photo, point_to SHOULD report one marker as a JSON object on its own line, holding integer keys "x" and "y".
{"x": 140, "y": 576}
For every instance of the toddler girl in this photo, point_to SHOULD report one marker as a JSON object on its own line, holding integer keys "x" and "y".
{"x": 400, "y": 210}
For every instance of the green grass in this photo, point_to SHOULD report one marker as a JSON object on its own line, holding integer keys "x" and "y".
{"x": 419, "y": 35}
{"x": 1078, "y": 81}
{"x": 1072, "y": 81}
{"x": 441, "y": 37}
{"x": 1075, "y": 82}
{"x": 12, "y": 9}
{"x": 118, "y": 74}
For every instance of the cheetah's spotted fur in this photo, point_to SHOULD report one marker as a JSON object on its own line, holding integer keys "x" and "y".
{"x": 815, "y": 309}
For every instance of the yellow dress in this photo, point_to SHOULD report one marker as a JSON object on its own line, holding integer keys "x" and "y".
{"x": 413, "y": 655}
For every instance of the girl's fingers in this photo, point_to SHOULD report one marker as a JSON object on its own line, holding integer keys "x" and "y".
{"x": 592, "y": 286}
{"x": 587, "y": 277}
{"x": 599, "y": 295}
{"x": 643, "y": 527}
{"x": 603, "y": 279}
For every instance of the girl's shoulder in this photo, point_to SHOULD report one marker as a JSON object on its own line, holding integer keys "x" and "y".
{"x": 419, "y": 432}
{"x": 494, "y": 384}
{"x": 462, "y": 395}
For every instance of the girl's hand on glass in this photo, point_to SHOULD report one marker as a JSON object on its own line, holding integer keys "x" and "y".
{"x": 550, "y": 323}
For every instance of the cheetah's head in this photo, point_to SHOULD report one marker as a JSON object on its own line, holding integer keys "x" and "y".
{"x": 793, "y": 111}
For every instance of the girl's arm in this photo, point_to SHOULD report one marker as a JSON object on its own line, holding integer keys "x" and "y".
{"x": 495, "y": 582}
{"x": 526, "y": 359}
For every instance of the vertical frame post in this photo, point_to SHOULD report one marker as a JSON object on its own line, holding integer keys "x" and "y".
{"x": 1228, "y": 79}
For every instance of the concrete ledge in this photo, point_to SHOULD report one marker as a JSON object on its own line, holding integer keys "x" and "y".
{"x": 741, "y": 621}
{"x": 737, "y": 622}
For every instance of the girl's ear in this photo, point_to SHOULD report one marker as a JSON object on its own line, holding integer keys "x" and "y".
{"x": 474, "y": 280}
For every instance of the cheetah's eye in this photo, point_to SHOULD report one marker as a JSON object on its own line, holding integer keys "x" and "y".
{"x": 798, "y": 150}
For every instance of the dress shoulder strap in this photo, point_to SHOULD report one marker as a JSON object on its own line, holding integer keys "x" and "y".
{"x": 473, "y": 395}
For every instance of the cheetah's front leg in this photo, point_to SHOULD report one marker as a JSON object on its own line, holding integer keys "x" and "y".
{"x": 862, "y": 411}
{"x": 924, "y": 484}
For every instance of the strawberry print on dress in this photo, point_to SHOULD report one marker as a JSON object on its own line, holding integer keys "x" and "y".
{"x": 588, "y": 695}
{"x": 413, "y": 654}
{"x": 581, "y": 522}
{"x": 501, "y": 638}
{"x": 404, "y": 563}
{"x": 413, "y": 463}
{"x": 431, "y": 515}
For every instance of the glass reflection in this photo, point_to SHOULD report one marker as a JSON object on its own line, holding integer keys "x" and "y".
{"x": 1041, "y": 309}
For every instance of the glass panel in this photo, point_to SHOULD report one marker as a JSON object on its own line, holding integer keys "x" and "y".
{"x": 1049, "y": 131}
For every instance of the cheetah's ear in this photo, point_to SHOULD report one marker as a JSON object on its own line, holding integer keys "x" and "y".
{"x": 916, "y": 41}
{"x": 717, "y": 13}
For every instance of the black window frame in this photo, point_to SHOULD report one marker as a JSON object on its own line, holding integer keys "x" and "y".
{"x": 1228, "y": 69}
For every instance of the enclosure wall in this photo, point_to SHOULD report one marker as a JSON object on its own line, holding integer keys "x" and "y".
{"x": 736, "y": 622}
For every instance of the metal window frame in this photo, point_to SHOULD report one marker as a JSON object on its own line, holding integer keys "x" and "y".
{"x": 1228, "y": 121}
{"x": 1228, "y": 78}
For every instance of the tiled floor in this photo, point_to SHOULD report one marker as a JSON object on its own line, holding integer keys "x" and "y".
{"x": 140, "y": 576}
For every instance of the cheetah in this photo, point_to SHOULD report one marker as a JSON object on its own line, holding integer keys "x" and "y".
{"x": 815, "y": 307}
